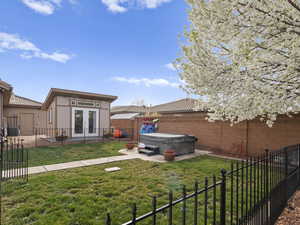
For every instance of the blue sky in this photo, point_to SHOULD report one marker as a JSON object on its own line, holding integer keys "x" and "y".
{"x": 118, "y": 47}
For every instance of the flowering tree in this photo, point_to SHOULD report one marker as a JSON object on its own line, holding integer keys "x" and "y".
{"x": 243, "y": 56}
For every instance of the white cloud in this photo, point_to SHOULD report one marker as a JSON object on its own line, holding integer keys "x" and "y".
{"x": 43, "y": 7}
{"x": 56, "y": 56}
{"x": 114, "y": 5}
{"x": 147, "y": 82}
{"x": 153, "y": 3}
{"x": 46, "y": 7}
{"x": 28, "y": 49}
{"x": 170, "y": 66}
{"x": 119, "y": 6}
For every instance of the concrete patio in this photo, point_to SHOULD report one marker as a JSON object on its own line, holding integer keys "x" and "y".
{"x": 160, "y": 158}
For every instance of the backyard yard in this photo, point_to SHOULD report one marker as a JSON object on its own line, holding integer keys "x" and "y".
{"x": 72, "y": 152}
{"x": 84, "y": 195}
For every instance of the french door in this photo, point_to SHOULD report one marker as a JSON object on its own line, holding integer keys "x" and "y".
{"x": 85, "y": 122}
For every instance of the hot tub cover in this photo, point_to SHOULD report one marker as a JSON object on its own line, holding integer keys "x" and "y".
{"x": 180, "y": 143}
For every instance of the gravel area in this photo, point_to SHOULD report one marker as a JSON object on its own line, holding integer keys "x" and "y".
{"x": 291, "y": 214}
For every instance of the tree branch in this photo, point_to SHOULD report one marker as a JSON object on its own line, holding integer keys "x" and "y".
{"x": 294, "y": 5}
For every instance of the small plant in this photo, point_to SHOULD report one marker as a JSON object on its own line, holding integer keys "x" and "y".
{"x": 61, "y": 137}
{"x": 130, "y": 145}
{"x": 169, "y": 155}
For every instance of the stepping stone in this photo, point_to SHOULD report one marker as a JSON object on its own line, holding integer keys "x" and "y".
{"x": 112, "y": 169}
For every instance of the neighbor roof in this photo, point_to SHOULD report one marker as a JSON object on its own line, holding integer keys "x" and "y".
{"x": 7, "y": 90}
{"x": 182, "y": 105}
{"x": 5, "y": 86}
{"x": 16, "y": 100}
{"x": 123, "y": 116}
{"x": 128, "y": 109}
{"x": 76, "y": 94}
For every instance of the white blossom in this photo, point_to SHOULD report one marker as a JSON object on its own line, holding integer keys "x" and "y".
{"x": 243, "y": 56}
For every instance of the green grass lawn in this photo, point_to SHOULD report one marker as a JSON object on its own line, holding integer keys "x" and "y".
{"x": 67, "y": 153}
{"x": 83, "y": 196}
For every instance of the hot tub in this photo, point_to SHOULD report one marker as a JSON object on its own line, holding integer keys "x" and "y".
{"x": 181, "y": 144}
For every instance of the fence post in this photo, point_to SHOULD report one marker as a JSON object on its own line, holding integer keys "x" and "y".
{"x": 223, "y": 198}
{"x": 298, "y": 147}
{"x": 134, "y": 214}
{"x": 286, "y": 173}
{"x": 286, "y": 168}
{"x": 1, "y": 176}
{"x": 1, "y": 166}
{"x": 36, "y": 133}
{"x": 108, "y": 219}
{"x": 170, "y": 216}
{"x": 84, "y": 135}
{"x": 267, "y": 187}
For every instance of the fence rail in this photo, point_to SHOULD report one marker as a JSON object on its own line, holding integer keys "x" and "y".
{"x": 253, "y": 192}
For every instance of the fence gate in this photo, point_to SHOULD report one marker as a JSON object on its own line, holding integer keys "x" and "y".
{"x": 13, "y": 161}
{"x": 13, "y": 166}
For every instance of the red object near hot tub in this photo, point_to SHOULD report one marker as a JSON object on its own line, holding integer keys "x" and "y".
{"x": 117, "y": 133}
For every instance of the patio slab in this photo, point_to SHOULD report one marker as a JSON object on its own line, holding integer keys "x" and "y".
{"x": 160, "y": 158}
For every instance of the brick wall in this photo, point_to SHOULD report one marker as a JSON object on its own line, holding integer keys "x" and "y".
{"x": 286, "y": 131}
{"x": 250, "y": 137}
{"x": 216, "y": 135}
{"x": 123, "y": 123}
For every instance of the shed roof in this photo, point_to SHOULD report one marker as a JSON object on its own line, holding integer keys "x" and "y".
{"x": 124, "y": 116}
{"x": 128, "y": 109}
{"x": 76, "y": 94}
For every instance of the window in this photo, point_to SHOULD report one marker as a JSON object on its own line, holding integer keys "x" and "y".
{"x": 92, "y": 122}
{"x": 85, "y": 122}
{"x": 79, "y": 121}
{"x": 80, "y": 103}
{"x": 50, "y": 115}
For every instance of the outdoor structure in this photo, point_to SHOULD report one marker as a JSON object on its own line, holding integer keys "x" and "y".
{"x": 87, "y": 114}
{"x": 77, "y": 113}
{"x": 23, "y": 115}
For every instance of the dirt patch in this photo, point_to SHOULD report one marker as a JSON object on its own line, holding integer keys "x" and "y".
{"x": 291, "y": 214}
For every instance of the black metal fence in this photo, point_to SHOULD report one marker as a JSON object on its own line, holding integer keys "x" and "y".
{"x": 48, "y": 136}
{"x": 13, "y": 160}
{"x": 253, "y": 192}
